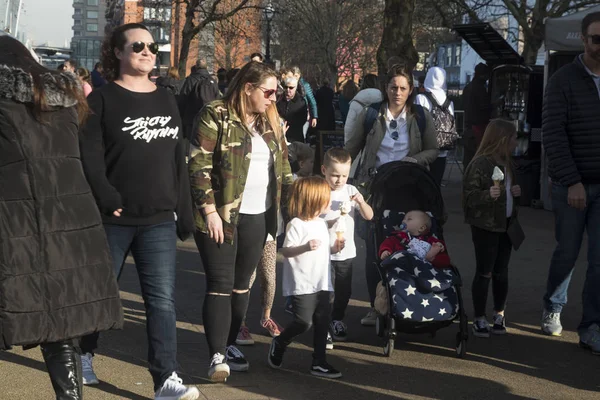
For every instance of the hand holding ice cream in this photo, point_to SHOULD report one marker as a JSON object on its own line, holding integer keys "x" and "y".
{"x": 340, "y": 227}
{"x": 498, "y": 178}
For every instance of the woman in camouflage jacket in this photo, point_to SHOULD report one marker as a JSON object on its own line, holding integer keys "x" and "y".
{"x": 490, "y": 208}
{"x": 237, "y": 177}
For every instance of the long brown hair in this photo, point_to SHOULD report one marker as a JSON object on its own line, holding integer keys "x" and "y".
{"x": 309, "y": 197}
{"x": 253, "y": 73}
{"x": 496, "y": 142}
{"x": 14, "y": 54}
{"x": 349, "y": 90}
{"x": 396, "y": 71}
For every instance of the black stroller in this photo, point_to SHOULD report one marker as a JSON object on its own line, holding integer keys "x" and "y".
{"x": 397, "y": 188}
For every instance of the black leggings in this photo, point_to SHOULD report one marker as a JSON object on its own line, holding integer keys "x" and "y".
{"x": 492, "y": 255}
{"x": 309, "y": 310}
{"x": 229, "y": 267}
{"x": 342, "y": 283}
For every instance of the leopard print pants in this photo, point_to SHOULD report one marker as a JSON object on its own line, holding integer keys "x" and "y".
{"x": 267, "y": 274}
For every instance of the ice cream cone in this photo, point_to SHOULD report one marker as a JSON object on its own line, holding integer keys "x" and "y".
{"x": 339, "y": 235}
{"x": 497, "y": 183}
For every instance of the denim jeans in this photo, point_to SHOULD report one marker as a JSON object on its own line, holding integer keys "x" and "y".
{"x": 569, "y": 227}
{"x": 154, "y": 250}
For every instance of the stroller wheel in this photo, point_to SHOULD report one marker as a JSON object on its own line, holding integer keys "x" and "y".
{"x": 388, "y": 349}
{"x": 380, "y": 326}
{"x": 461, "y": 345}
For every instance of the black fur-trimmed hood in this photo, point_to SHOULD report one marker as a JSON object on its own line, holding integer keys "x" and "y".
{"x": 17, "y": 84}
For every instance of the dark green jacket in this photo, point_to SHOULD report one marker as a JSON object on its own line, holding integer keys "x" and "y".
{"x": 219, "y": 168}
{"x": 480, "y": 209}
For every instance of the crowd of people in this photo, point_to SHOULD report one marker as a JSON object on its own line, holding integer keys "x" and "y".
{"x": 99, "y": 165}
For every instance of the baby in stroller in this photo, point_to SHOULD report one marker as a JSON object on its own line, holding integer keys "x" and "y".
{"x": 414, "y": 236}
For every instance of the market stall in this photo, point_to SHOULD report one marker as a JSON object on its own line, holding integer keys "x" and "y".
{"x": 516, "y": 94}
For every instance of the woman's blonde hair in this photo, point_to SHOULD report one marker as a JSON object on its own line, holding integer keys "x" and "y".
{"x": 253, "y": 73}
{"x": 496, "y": 142}
{"x": 309, "y": 197}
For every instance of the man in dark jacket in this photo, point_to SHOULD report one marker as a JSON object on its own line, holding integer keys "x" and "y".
{"x": 97, "y": 79}
{"x": 571, "y": 129}
{"x": 198, "y": 89}
{"x": 477, "y": 111}
{"x": 324, "y": 97}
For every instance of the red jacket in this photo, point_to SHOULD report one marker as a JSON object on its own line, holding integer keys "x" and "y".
{"x": 398, "y": 241}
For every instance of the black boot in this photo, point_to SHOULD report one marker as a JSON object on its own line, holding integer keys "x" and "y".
{"x": 64, "y": 367}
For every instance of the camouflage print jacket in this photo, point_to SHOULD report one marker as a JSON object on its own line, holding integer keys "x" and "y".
{"x": 219, "y": 168}
{"x": 480, "y": 209}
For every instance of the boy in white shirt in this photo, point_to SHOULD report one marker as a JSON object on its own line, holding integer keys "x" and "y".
{"x": 345, "y": 200}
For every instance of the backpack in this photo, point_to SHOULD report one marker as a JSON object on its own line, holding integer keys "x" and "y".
{"x": 443, "y": 120}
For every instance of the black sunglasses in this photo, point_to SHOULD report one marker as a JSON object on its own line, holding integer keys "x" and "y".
{"x": 138, "y": 47}
{"x": 290, "y": 87}
{"x": 595, "y": 38}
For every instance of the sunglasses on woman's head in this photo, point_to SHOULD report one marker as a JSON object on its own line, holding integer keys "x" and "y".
{"x": 268, "y": 92}
{"x": 138, "y": 47}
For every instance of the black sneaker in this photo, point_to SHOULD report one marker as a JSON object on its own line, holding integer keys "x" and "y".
{"x": 339, "y": 331}
{"x": 236, "y": 360}
{"x": 481, "y": 328}
{"x": 324, "y": 370}
{"x": 499, "y": 325}
{"x": 329, "y": 344}
{"x": 275, "y": 354}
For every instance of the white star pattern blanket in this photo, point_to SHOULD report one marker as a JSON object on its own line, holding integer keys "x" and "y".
{"x": 419, "y": 292}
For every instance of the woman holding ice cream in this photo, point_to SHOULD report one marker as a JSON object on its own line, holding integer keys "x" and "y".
{"x": 490, "y": 208}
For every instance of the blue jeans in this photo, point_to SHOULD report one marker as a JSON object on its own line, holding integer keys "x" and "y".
{"x": 569, "y": 227}
{"x": 154, "y": 249}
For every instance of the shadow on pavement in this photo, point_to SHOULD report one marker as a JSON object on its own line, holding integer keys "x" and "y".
{"x": 34, "y": 364}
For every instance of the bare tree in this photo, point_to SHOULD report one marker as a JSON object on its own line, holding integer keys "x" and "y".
{"x": 237, "y": 36}
{"x": 397, "y": 37}
{"x": 329, "y": 39}
{"x": 198, "y": 15}
{"x": 530, "y": 16}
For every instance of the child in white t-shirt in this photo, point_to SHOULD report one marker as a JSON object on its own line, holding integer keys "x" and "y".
{"x": 307, "y": 272}
{"x": 345, "y": 201}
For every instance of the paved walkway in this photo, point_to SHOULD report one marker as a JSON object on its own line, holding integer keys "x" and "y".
{"x": 521, "y": 365}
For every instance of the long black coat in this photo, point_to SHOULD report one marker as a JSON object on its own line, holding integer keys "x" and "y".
{"x": 56, "y": 274}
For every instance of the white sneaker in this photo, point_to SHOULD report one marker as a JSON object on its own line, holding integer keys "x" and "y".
{"x": 370, "y": 318}
{"x": 218, "y": 370}
{"x": 88, "y": 375}
{"x": 173, "y": 389}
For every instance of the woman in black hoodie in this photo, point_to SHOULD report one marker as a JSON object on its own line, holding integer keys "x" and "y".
{"x": 56, "y": 276}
